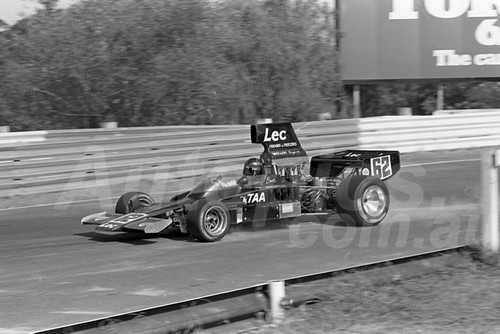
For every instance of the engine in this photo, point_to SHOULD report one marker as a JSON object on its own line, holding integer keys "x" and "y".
{"x": 320, "y": 194}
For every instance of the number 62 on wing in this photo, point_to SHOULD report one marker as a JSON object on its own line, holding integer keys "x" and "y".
{"x": 381, "y": 167}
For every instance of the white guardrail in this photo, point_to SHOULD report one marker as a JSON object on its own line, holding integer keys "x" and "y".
{"x": 427, "y": 133}
{"x": 40, "y": 161}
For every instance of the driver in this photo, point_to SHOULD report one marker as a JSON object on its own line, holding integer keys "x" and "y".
{"x": 253, "y": 166}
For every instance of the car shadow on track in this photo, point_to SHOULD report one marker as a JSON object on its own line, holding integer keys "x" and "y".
{"x": 129, "y": 238}
{"x": 138, "y": 239}
{"x": 323, "y": 219}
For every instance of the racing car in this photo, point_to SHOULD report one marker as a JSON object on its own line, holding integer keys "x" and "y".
{"x": 271, "y": 187}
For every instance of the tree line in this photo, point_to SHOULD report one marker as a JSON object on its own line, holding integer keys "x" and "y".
{"x": 155, "y": 62}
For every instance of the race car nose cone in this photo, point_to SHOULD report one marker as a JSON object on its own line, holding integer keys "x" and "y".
{"x": 94, "y": 218}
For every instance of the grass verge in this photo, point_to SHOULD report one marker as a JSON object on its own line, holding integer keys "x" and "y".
{"x": 461, "y": 297}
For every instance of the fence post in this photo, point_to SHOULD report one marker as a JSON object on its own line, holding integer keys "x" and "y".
{"x": 489, "y": 199}
{"x": 405, "y": 111}
{"x": 356, "y": 101}
{"x": 109, "y": 125}
{"x": 276, "y": 295}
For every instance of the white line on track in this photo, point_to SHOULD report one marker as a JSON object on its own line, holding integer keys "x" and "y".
{"x": 439, "y": 162}
{"x": 61, "y": 203}
{"x": 108, "y": 199}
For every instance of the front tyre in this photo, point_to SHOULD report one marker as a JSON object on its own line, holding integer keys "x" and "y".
{"x": 132, "y": 202}
{"x": 362, "y": 200}
{"x": 208, "y": 220}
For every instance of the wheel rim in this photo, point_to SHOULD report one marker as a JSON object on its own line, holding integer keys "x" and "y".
{"x": 215, "y": 220}
{"x": 373, "y": 204}
{"x": 143, "y": 201}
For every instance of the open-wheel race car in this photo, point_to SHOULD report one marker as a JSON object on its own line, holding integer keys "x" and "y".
{"x": 271, "y": 187}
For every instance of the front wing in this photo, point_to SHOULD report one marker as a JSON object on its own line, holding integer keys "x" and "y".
{"x": 109, "y": 223}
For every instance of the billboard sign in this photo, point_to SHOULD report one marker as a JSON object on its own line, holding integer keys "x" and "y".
{"x": 419, "y": 39}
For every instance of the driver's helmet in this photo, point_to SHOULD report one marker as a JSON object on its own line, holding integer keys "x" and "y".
{"x": 253, "y": 166}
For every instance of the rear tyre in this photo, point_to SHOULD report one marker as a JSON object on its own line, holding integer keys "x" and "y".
{"x": 208, "y": 220}
{"x": 362, "y": 200}
{"x": 132, "y": 202}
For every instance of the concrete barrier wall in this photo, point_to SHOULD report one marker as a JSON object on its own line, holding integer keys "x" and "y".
{"x": 55, "y": 160}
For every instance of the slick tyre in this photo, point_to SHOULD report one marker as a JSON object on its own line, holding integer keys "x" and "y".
{"x": 362, "y": 200}
{"x": 132, "y": 202}
{"x": 208, "y": 220}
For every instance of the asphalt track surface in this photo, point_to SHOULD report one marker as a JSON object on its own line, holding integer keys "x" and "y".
{"x": 55, "y": 272}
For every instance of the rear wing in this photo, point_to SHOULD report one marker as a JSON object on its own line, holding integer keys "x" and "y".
{"x": 381, "y": 164}
{"x": 279, "y": 141}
